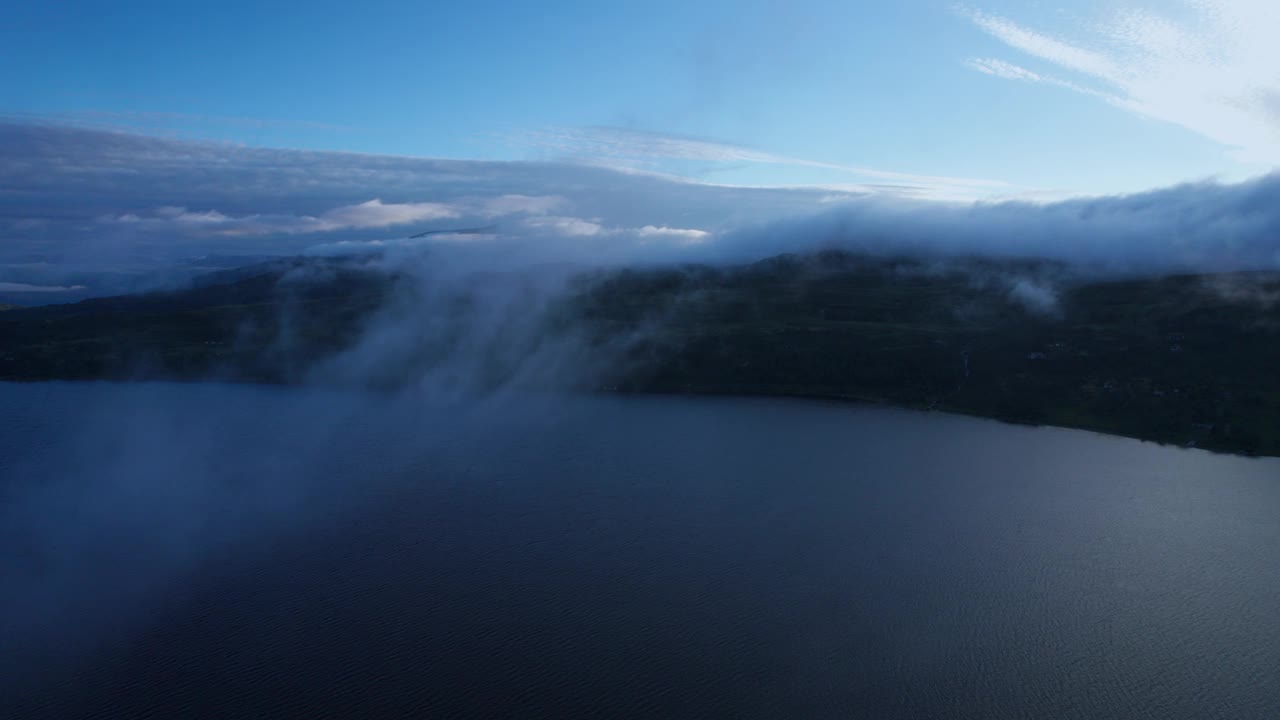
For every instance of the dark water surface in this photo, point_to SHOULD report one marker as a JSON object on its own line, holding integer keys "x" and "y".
{"x": 240, "y": 552}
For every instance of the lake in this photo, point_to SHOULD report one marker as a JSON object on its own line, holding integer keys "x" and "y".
{"x": 181, "y": 551}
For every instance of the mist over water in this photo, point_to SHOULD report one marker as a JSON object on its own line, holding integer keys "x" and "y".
{"x": 235, "y": 551}
{"x": 456, "y": 328}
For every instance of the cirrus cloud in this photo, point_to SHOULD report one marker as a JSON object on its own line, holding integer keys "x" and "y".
{"x": 1215, "y": 72}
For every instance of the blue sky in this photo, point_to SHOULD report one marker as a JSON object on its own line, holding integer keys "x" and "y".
{"x": 774, "y": 93}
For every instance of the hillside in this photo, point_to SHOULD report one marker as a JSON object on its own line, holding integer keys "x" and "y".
{"x": 1187, "y": 360}
{"x": 1170, "y": 359}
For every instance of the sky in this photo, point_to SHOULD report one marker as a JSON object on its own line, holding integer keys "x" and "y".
{"x": 1095, "y": 97}
{"x": 155, "y": 130}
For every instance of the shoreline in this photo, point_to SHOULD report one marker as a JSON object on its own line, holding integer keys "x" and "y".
{"x": 848, "y": 400}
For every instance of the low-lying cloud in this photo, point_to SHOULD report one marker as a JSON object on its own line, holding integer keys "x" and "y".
{"x": 16, "y": 287}
{"x": 1195, "y": 227}
{"x": 110, "y": 199}
{"x": 76, "y": 199}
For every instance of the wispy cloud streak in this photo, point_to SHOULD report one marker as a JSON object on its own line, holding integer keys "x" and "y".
{"x": 1216, "y": 74}
{"x": 613, "y": 146}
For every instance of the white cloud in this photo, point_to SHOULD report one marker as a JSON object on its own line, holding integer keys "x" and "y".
{"x": 166, "y": 217}
{"x": 1009, "y": 71}
{"x": 687, "y": 235}
{"x": 373, "y": 214}
{"x": 1216, "y": 74}
{"x": 578, "y": 227}
{"x": 1048, "y": 48}
{"x": 377, "y": 214}
{"x": 1002, "y": 69}
{"x": 566, "y": 226}
{"x": 182, "y": 215}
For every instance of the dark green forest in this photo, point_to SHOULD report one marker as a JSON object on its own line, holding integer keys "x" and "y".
{"x": 1189, "y": 360}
